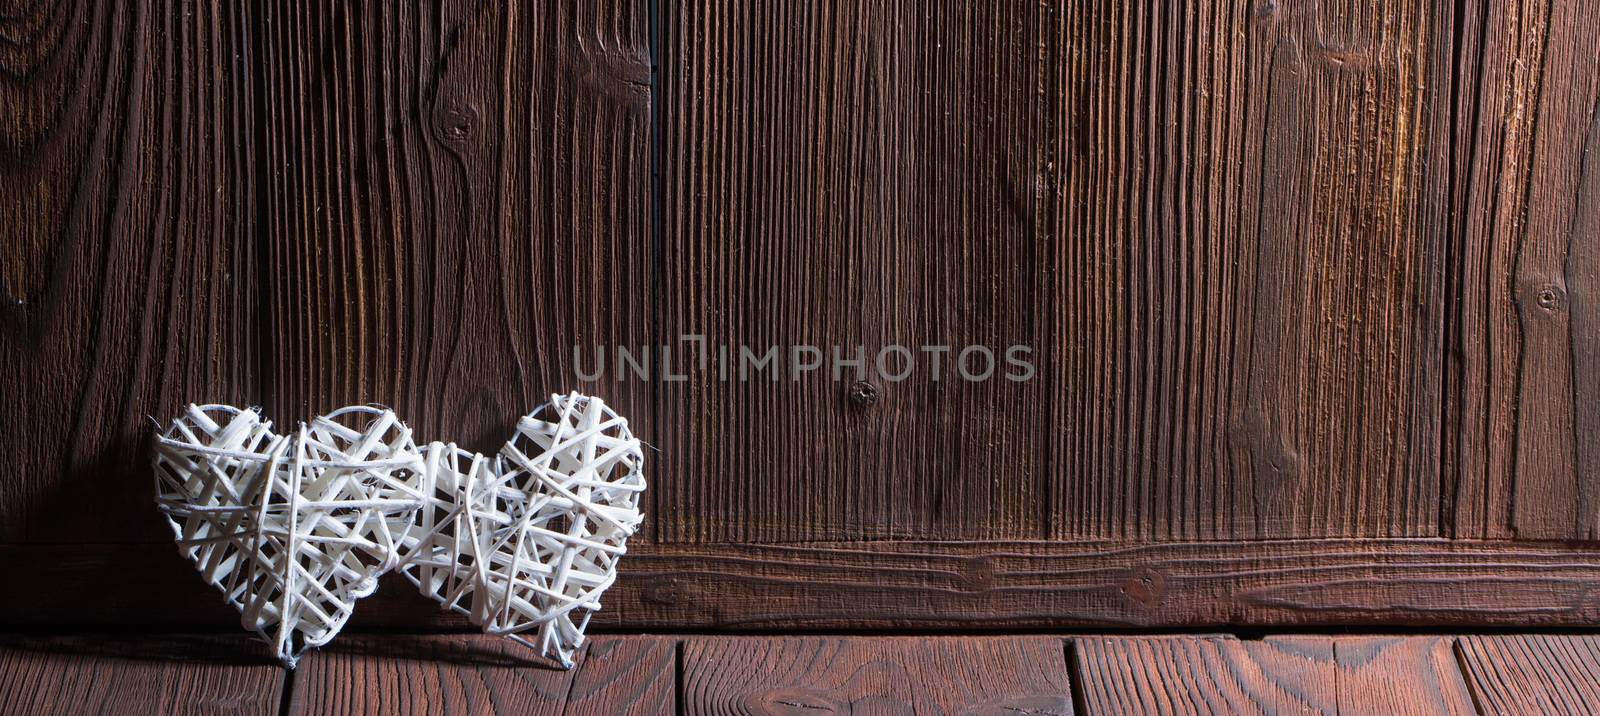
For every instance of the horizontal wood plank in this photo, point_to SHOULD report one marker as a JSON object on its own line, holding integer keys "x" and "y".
{"x": 1295, "y": 674}
{"x": 901, "y": 585}
{"x": 876, "y": 675}
{"x": 1179, "y": 674}
{"x": 477, "y": 674}
{"x": 1051, "y": 585}
{"x": 166, "y": 674}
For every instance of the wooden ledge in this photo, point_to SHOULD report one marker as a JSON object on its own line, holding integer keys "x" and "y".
{"x": 927, "y": 585}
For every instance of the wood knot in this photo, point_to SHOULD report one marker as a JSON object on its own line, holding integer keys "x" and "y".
{"x": 1145, "y": 586}
{"x": 863, "y": 394}
{"x": 455, "y": 122}
{"x": 1551, "y": 298}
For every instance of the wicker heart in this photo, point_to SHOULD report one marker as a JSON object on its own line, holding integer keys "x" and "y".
{"x": 528, "y": 540}
{"x": 292, "y": 528}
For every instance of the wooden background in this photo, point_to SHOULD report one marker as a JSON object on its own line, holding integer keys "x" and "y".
{"x": 1313, "y": 288}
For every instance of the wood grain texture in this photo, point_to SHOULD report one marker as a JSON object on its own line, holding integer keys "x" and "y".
{"x": 875, "y": 675}
{"x": 127, "y": 259}
{"x": 926, "y": 586}
{"x": 144, "y": 674}
{"x": 458, "y": 198}
{"x": 1178, "y": 674}
{"x": 1524, "y": 340}
{"x": 1249, "y": 270}
{"x": 1048, "y": 585}
{"x": 854, "y": 176}
{"x": 1289, "y": 269}
{"x": 1293, "y": 674}
{"x": 481, "y": 674}
{"x": 1219, "y": 226}
{"x": 1532, "y": 673}
{"x": 1396, "y": 675}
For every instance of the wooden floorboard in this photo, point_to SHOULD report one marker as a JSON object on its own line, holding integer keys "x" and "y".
{"x": 642, "y": 674}
{"x": 1396, "y": 675}
{"x": 876, "y": 675}
{"x": 1299, "y": 674}
{"x": 1533, "y": 673}
{"x": 461, "y": 674}
{"x": 143, "y": 675}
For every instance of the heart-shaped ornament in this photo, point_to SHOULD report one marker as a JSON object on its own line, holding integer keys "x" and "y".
{"x": 292, "y": 528}
{"x": 527, "y": 541}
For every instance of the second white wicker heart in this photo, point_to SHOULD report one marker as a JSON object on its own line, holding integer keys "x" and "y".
{"x": 524, "y": 543}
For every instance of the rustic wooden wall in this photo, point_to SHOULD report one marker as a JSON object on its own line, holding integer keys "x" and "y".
{"x": 1313, "y": 289}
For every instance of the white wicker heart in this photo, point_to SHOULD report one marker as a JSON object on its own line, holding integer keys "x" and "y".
{"x": 527, "y": 541}
{"x": 292, "y": 528}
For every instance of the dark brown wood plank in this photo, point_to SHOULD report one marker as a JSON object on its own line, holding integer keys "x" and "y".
{"x": 1044, "y": 585}
{"x": 928, "y": 586}
{"x": 875, "y": 675}
{"x": 481, "y": 674}
{"x": 128, "y": 271}
{"x": 459, "y": 198}
{"x": 1526, "y": 336}
{"x": 855, "y": 176}
{"x": 1250, "y": 270}
{"x": 1532, "y": 673}
{"x": 1219, "y": 226}
{"x": 1295, "y": 674}
{"x": 145, "y": 674}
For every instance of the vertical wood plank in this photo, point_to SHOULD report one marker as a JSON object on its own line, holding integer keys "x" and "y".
{"x": 127, "y": 257}
{"x": 481, "y": 674}
{"x": 1250, "y": 267}
{"x": 876, "y": 675}
{"x": 1196, "y": 675}
{"x": 1533, "y": 673}
{"x": 1224, "y": 228}
{"x": 459, "y": 197}
{"x": 1526, "y": 335}
{"x": 852, "y": 177}
{"x": 155, "y": 674}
